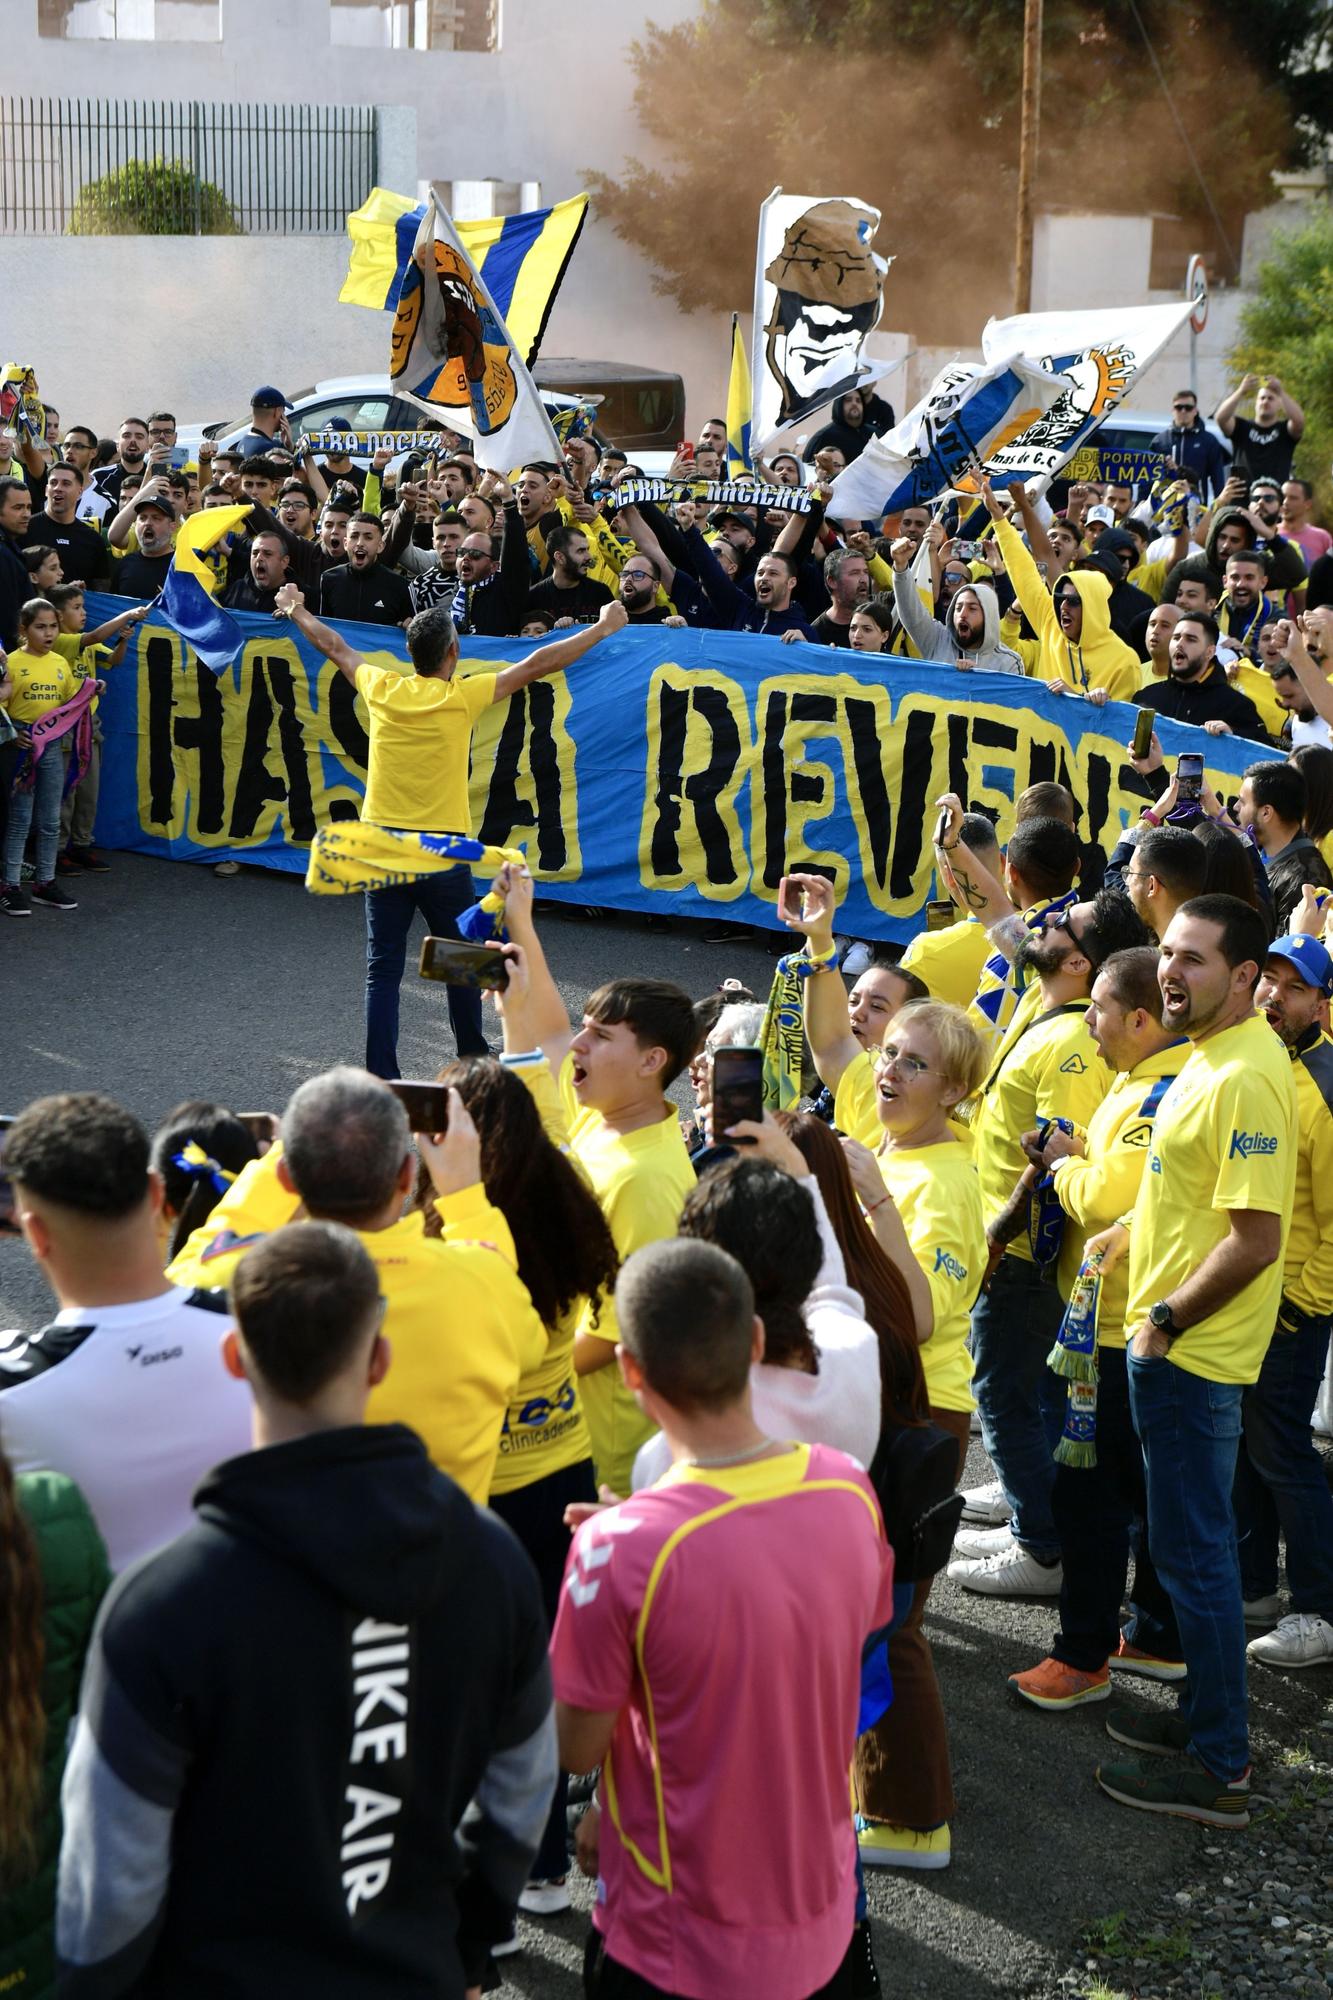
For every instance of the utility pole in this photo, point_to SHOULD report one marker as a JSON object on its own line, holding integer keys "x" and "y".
{"x": 1029, "y": 137}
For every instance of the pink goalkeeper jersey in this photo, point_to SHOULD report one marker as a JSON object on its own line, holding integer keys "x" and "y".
{"x": 723, "y": 1612}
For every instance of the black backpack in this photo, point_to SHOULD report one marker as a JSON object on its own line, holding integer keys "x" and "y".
{"x": 915, "y": 1476}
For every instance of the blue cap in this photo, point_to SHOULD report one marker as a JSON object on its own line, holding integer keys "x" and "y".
{"x": 1309, "y": 958}
{"x": 266, "y": 397}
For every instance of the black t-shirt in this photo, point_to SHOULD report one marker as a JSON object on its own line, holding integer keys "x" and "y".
{"x": 830, "y": 633}
{"x": 355, "y": 475}
{"x": 583, "y": 603}
{"x": 140, "y": 576}
{"x": 83, "y": 554}
{"x": 1262, "y": 451}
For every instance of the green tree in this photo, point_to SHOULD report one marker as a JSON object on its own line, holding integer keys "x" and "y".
{"x": 915, "y": 108}
{"x": 1286, "y": 329}
{"x": 152, "y": 198}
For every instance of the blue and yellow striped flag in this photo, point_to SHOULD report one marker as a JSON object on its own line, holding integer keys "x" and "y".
{"x": 186, "y": 600}
{"x": 738, "y": 405}
{"x": 522, "y": 258}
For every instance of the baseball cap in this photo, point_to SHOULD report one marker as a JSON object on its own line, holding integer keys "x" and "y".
{"x": 1102, "y": 514}
{"x": 266, "y": 397}
{"x": 1309, "y": 958}
{"x": 157, "y": 500}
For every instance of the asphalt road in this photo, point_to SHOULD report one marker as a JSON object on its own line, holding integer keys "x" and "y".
{"x": 169, "y": 983}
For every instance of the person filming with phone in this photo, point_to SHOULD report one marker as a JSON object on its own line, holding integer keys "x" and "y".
{"x": 417, "y": 781}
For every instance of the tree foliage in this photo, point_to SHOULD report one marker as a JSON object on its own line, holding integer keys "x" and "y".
{"x": 915, "y": 108}
{"x": 152, "y": 198}
{"x": 1286, "y": 329}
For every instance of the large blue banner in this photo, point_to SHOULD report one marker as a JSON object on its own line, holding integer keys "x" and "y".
{"x": 669, "y": 770}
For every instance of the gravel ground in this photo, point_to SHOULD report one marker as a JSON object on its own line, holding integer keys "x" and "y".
{"x": 168, "y": 983}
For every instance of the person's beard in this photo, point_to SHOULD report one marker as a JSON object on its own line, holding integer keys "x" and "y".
{"x": 1041, "y": 954}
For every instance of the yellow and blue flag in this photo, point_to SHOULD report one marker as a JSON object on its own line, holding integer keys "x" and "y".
{"x": 738, "y": 405}
{"x": 186, "y": 601}
{"x": 522, "y": 257}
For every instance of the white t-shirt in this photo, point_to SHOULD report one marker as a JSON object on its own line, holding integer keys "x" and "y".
{"x": 840, "y": 1406}
{"x": 131, "y": 1402}
{"x": 1316, "y": 730}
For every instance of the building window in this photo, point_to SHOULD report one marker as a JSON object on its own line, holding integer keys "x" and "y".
{"x": 130, "y": 20}
{"x": 472, "y": 25}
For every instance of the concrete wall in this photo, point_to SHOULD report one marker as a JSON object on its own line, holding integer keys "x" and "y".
{"x": 192, "y": 324}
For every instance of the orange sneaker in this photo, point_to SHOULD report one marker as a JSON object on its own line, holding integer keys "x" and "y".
{"x": 1147, "y": 1666}
{"x": 1054, "y": 1685}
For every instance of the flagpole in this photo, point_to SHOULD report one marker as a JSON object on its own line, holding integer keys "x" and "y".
{"x": 1029, "y": 137}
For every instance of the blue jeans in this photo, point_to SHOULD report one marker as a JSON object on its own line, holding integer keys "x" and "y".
{"x": 38, "y": 806}
{"x": 1280, "y": 1480}
{"x": 1190, "y": 1431}
{"x": 1020, "y": 1403}
{"x": 1095, "y": 1508}
{"x": 441, "y": 899}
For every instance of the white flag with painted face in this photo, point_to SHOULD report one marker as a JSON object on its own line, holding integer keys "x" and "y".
{"x": 451, "y": 354}
{"x": 818, "y": 294}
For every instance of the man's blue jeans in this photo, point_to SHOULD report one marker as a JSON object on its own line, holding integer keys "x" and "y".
{"x": 1190, "y": 1431}
{"x": 1280, "y": 1481}
{"x": 1020, "y": 1403}
{"x": 441, "y": 899}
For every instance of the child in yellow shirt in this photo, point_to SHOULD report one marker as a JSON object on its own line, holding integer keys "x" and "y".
{"x": 88, "y": 653}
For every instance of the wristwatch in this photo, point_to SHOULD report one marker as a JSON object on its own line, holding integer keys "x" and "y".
{"x": 1163, "y": 1319}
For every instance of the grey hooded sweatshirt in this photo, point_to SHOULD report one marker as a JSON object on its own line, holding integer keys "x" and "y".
{"x": 936, "y": 641}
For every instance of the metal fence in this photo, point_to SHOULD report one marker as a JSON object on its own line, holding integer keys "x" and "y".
{"x": 181, "y": 169}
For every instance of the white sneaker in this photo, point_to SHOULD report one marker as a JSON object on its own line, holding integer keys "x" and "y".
{"x": 982, "y": 1541}
{"x": 1262, "y": 1610}
{"x": 507, "y": 1947}
{"x": 544, "y": 1899}
{"x": 986, "y": 1504}
{"x": 1010, "y": 1573}
{"x": 1301, "y": 1640}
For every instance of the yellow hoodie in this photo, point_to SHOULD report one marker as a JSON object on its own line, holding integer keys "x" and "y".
{"x": 1097, "y": 659}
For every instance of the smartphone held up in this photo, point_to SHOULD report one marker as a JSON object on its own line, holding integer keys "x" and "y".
{"x": 483, "y": 967}
{"x": 426, "y": 1104}
{"x": 738, "y": 1091}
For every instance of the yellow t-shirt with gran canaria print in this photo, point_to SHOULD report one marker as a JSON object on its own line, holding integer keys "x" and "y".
{"x": 42, "y": 681}
{"x": 1225, "y": 1139}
